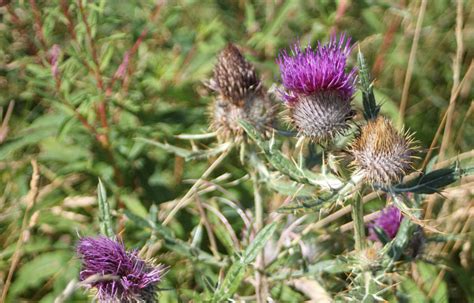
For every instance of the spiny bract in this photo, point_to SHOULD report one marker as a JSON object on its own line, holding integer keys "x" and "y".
{"x": 381, "y": 153}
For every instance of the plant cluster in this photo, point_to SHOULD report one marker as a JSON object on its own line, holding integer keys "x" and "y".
{"x": 187, "y": 151}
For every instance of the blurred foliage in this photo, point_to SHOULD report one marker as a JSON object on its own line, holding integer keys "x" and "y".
{"x": 127, "y": 70}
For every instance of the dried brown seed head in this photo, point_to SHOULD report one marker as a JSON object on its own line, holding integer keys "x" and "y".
{"x": 234, "y": 77}
{"x": 240, "y": 96}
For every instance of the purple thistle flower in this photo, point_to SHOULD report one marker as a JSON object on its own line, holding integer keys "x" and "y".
{"x": 389, "y": 221}
{"x": 118, "y": 275}
{"x": 311, "y": 71}
{"x": 317, "y": 88}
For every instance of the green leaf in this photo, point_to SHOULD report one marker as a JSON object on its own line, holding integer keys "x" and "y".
{"x": 323, "y": 198}
{"x": 429, "y": 276}
{"x": 231, "y": 281}
{"x": 134, "y": 205}
{"x": 259, "y": 242}
{"x": 37, "y": 271}
{"x": 105, "y": 218}
{"x": 222, "y": 233}
{"x": 411, "y": 293}
{"x": 433, "y": 181}
{"x": 286, "y": 166}
{"x": 395, "y": 249}
{"x": 274, "y": 156}
{"x": 371, "y": 109}
{"x": 381, "y": 234}
{"x": 236, "y": 272}
{"x": 304, "y": 205}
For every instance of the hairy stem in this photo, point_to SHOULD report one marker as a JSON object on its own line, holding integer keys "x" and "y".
{"x": 260, "y": 289}
{"x": 358, "y": 218}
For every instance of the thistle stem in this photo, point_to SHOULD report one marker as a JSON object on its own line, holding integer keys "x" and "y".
{"x": 358, "y": 218}
{"x": 260, "y": 288}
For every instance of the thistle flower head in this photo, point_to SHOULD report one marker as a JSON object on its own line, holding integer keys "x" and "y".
{"x": 389, "y": 221}
{"x": 317, "y": 89}
{"x": 240, "y": 96}
{"x": 309, "y": 71}
{"x": 118, "y": 275}
{"x": 381, "y": 153}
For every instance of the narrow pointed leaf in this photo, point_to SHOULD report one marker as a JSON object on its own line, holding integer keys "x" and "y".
{"x": 371, "y": 109}
{"x": 433, "y": 181}
{"x": 104, "y": 212}
{"x": 236, "y": 272}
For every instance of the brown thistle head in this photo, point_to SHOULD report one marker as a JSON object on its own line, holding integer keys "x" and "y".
{"x": 381, "y": 153}
{"x": 240, "y": 95}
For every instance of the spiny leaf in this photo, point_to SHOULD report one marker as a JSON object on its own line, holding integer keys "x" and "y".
{"x": 396, "y": 248}
{"x": 259, "y": 242}
{"x": 305, "y": 205}
{"x": 286, "y": 166}
{"x": 274, "y": 156}
{"x": 433, "y": 181}
{"x": 237, "y": 271}
{"x": 371, "y": 109}
{"x": 324, "y": 198}
{"x": 231, "y": 282}
{"x": 104, "y": 212}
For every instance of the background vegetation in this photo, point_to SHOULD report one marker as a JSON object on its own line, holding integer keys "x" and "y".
{"x": 81, "y": 81}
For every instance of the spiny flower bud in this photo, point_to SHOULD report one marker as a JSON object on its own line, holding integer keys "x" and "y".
{"x": 381, "y": 153}
{"x": 317, "y": 88}
{"x": 241, "y": 96}
{"x": 118, "y": 275}
{"x": 389, "y": 221}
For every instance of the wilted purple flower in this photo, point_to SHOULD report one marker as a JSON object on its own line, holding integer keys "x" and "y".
{"x": 118, "y": 275}
{"x": 317, "y": 88}
{"x": 389, "y": 221}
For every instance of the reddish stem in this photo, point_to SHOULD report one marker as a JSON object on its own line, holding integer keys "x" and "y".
{"x": 38, "y": 25}
{"x": 70, "y": 24}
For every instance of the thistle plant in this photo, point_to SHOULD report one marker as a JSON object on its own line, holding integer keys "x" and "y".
{"x": 92, "y": 91}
